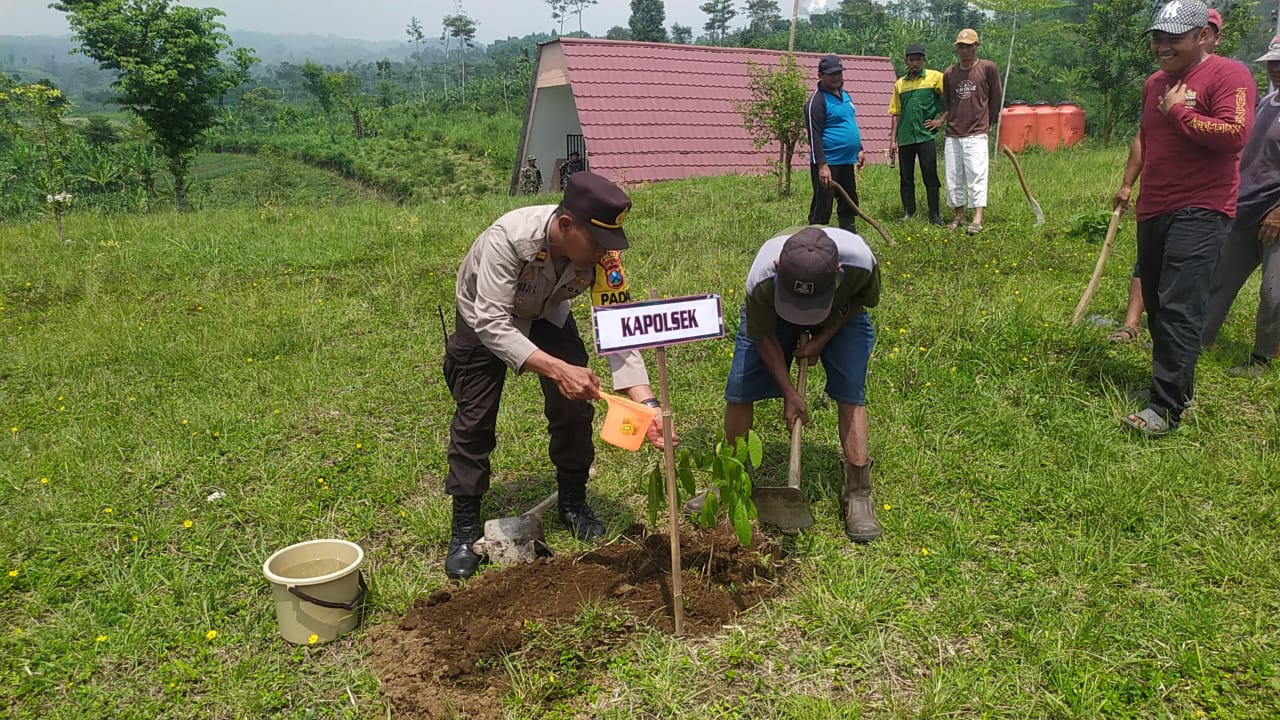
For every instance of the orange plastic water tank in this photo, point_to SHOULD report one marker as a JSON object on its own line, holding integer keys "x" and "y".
{"x": 1017, "y": 127}
{"x": 1071, "y": 118}
{"x": 1048, "y": 129}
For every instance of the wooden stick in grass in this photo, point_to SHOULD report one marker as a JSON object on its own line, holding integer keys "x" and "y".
{"x": 879, "y": 228}
{"x": 1097, "y": 270}
{"x": 673, "y": 509}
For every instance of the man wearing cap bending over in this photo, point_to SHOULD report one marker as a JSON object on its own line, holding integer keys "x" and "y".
{"x": 915, "y": 112}
{"x": 1197, "y": 111}
{"x": 971, "y": 88}
{"x": 513, "y": 294}
{"x": 819, "y": 281}
{"x": 835, "y": 145}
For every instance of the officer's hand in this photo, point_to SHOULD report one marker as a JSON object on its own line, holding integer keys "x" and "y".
{"x": 654, "y": 433}
{"x": 824, "y": 175}
{"x": 795, "y": 409}
{"x": 1121, "y": 198}
{"x": 1270, "y": 230}
{"x": 862, "y": 160}
{"x": 577, "y": 383}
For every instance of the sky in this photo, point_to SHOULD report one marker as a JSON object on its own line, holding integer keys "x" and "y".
{"x": 385, "y": 19}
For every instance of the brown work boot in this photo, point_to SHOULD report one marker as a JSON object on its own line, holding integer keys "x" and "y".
{"x": 860, "y": 522}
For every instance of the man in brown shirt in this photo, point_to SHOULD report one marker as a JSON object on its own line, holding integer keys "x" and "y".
{"x": 973, "y": 96}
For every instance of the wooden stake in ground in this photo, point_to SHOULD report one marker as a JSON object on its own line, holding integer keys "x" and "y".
{"x": 1035, "y": 206}
{"x": 1097, "y": 270}
{"x": 879, "y": 228}
{"x": 673, "y": 509}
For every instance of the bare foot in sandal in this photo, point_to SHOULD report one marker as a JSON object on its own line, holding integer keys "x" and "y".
{"x": 1126, "y": 334}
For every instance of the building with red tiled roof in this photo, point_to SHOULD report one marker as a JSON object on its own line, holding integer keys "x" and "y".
{"x": 643, "y": 112}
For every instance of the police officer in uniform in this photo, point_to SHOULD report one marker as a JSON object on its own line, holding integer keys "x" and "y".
{"x": 513, "y": 295}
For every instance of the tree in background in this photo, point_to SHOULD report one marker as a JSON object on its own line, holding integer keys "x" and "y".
{"x": 46, "y": 106}
{"x": 170, "y": 72}
{"x": 577, "y": 6}
{"x": 617, "y": 32}
{"x": 681, "y": 34}
{"x": 1118, "y": 58}
{"x": 416, "y": 36}
{"x": 719, "y": 14}
{"x": 462, "y": 28}
{"x": 647, "y": 18}
{"x": 559, "y": 12}
{"x": 775, "y": 112}
{"x": 1239, "y": 19}
{"x": 347, "y": 89}
{"x": 763, "y": 16}
{"x": 316, "y": 80}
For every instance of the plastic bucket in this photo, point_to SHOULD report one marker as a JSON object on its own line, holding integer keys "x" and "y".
{"x": 318, "y": 589}
{"x": 626, "y": 422}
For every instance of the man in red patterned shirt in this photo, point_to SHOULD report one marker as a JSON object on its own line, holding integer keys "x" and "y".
{"x": 1197, "y": 111}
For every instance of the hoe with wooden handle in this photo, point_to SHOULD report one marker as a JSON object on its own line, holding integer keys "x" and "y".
{"x": 787, "y": 508}
{"x": 1107, "y": 244}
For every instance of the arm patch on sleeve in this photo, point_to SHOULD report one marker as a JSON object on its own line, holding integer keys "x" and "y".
{"x": 611, "y": 286}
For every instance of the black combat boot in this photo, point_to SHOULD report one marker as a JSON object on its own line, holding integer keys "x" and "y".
{"x": 462, "y": 561}
{"x": 576, "y": 514}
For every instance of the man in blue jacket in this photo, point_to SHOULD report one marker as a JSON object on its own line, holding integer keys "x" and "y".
{"x": 835, "y": 144}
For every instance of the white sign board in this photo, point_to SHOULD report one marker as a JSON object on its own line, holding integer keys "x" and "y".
{"x": 655, "y": 323}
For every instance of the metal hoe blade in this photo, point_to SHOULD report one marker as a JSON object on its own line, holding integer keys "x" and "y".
{"x": 787, "y": 508}
{"x": 518, "y": 539}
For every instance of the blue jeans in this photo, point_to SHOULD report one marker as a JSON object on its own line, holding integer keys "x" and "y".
{"x": 844, "y": 358}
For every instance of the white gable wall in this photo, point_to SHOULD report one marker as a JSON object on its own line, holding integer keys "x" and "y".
{"x": 554, "y": 115}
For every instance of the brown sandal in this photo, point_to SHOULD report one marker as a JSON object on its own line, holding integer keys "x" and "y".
{"x": 1126, "y": 334}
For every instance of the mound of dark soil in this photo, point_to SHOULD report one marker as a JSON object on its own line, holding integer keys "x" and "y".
{"x": 442, "y": 660}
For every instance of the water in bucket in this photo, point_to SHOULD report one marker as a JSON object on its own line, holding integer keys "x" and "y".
{"x": 318, "y": 589}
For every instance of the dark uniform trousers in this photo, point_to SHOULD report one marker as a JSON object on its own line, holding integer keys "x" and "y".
{"x": 476, "y": 377}
{"x": 927, "y": 151}
{"x": 820, "y": 206}
{"x": 1177, "y": 254}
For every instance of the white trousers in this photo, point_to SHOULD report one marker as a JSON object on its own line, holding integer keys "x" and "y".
{"x": 966, "y": 160}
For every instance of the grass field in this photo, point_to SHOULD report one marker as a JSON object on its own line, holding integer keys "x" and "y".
{"x": 1037, "y": 561}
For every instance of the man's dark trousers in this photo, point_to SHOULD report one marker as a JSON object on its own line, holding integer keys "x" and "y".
{"x": 820, "y": 206}
{"x": 1177, "y": 254}
{"x": 476, "y": 377}
{"x": 927, "y": 151}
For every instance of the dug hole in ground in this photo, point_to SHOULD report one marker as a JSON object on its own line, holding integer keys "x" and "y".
{"x": 444, "y": 659}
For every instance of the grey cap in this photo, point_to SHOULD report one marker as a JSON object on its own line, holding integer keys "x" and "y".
{"x": 1180, "y": 16}
{"x": 1273, "y": 51}
{"x": 915, "y": 49}
{"x": 808, "y": 273}
{"x": 830, "y": 64}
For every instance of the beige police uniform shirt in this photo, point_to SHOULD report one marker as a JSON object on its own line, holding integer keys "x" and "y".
{"x": 508, "y": 279}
